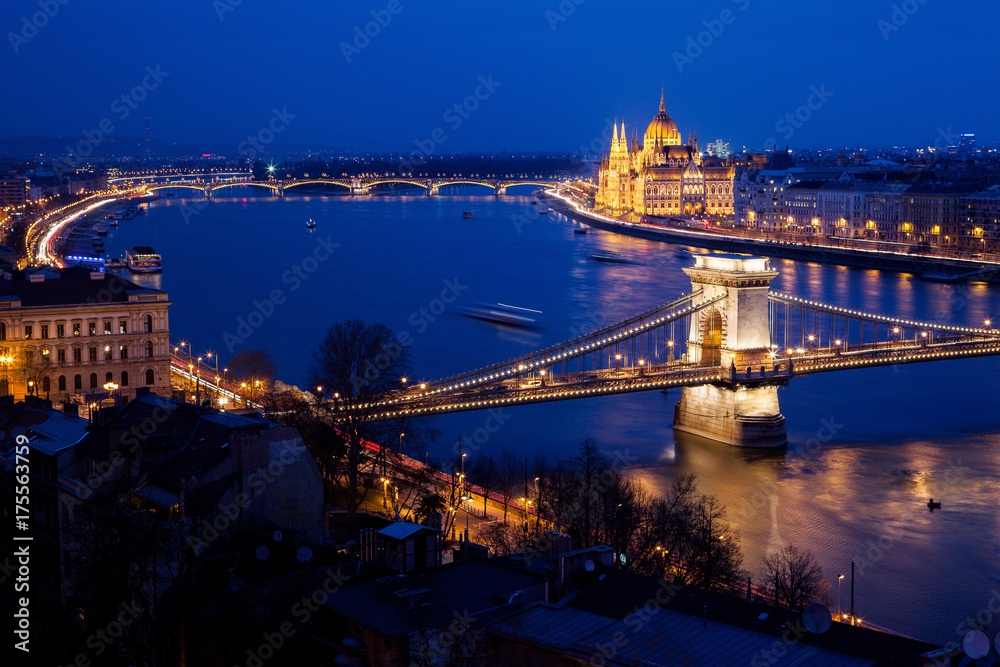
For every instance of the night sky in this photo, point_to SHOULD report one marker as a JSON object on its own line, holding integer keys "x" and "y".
{"x": 888, "y": 73}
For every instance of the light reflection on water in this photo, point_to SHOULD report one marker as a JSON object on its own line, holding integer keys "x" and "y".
{"x": 898, "y": 430}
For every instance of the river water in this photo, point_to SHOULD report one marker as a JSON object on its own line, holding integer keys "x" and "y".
{"x": 868, "y": 447}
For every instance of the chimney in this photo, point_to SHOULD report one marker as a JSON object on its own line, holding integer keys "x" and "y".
{"x": 96, "y": 275}
{"x": 71, "y": 409}
{"x": 37, "y": 277}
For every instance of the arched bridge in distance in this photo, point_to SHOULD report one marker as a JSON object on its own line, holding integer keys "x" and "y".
{"x": 729, "y": 344}
{"x": 209, "y": 183}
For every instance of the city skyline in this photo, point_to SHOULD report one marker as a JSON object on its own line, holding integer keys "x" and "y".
{"x": 829, "y": 76}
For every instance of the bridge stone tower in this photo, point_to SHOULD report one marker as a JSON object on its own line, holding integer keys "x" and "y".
{"x": 733, "y": 333}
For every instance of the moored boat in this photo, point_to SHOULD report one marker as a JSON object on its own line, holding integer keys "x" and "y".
{"x": 142, "y": 259}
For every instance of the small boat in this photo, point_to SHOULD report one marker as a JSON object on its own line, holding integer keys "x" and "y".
{"x": 467, "y": 214}
{"x": 609, "y": 257}
{"x": 543, "y": 209}
{"x": 310, "y": 224}
{"x": 580, "y": 230}
{"x": 931, "y": 505}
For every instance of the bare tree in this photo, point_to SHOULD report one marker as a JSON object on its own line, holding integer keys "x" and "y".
{"x": 795, "y": 576}
{"x": 590, "y": 463}
{"x": 485, "y": 473}
{"x": 501, "y": 538}
{"x": 256, "y": 370}
{"x": 361, "y": 365}
{"x": 709, "y": 551}
{"x": 624, "y": 510}
{"x": 508, "y": 470}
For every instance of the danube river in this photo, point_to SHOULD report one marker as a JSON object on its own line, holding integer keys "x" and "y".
{"x": 246, "y": 273}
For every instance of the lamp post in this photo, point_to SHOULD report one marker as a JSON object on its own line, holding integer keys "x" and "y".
{"x": 210, "y": 355}
{"x": 839, "y": 579}
{"x": 6, "y": 361}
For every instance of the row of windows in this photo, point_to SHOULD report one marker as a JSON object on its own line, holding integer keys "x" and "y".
{"x": 150, "y": 378}
{"x": 77, "y": 328}
{"x": 93, "y": 353}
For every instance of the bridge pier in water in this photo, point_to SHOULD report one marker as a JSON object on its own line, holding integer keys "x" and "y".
{"x": 735, "y": 334}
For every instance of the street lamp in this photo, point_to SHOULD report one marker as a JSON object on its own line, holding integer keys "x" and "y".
{"x": 839, "y": 579}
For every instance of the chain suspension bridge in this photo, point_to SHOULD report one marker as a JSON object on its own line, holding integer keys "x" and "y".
{"x": 728, "y": 344}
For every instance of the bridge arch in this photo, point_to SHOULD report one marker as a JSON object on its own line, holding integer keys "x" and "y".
{"x": 259, "y": 184}
{"x": 316, "y": 181}
{"x": 166, "y": 186}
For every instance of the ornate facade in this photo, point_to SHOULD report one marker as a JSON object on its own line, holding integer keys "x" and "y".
{"x": 663, "y": 177}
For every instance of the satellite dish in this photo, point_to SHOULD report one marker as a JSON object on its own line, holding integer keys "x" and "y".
{"x": 589, "y": 566}
{"x": 976, "y": 644}
{"x": 304, "y": 554}
{"x": 277, "y": 536}
{"x": 262, "y": 552}
{"x": 816, "y": 618}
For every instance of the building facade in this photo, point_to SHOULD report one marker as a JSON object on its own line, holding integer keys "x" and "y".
{"x": 980, "y": 227}
{"x": 74, "y": 335}
{"x": 663, "y": 176}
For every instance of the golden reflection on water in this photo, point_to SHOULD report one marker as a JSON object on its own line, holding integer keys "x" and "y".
{"x": 865, "y": 503}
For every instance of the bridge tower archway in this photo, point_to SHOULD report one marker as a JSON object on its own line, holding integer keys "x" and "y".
{"x": 734, "y": 334}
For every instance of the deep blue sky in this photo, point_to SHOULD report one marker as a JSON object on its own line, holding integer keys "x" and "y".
{"x": 557, "y": 86}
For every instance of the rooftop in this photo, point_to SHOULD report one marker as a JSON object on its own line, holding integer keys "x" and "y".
{"x": 50, "y": 431}
{"x": 72, "y": 286}
{"x": 474, "y": 586}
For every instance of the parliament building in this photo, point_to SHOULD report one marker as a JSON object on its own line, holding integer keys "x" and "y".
{"x": 663, "y": 177}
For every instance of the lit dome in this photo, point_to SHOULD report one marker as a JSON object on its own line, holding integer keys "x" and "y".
{"x": 662, "y": 127}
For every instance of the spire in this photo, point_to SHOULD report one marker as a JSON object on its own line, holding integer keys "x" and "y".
{"x": 696, "y": 139}
{"x": 663, "y": 104}
{"x": 614, "y": 142}
{"x": 624, "y": 136}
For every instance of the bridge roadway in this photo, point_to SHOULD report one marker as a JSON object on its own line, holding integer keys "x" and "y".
{"x": 420, "y": 402}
